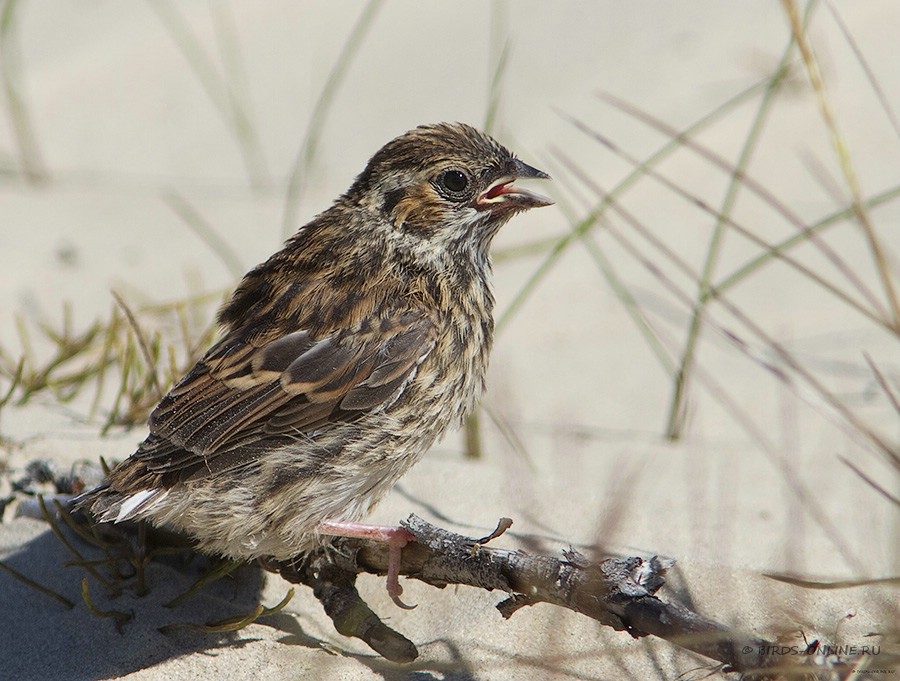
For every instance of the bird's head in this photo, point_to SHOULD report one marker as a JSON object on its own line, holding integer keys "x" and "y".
{"x": 446, "y": 185}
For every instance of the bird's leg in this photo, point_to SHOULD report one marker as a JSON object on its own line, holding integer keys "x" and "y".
{"x": 395, "y": 537}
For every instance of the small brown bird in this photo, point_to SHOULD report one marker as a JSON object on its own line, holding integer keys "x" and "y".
{"x": 343, "y": 358}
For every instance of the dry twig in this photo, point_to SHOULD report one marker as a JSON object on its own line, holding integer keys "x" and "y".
{"x": 618, "y": 592}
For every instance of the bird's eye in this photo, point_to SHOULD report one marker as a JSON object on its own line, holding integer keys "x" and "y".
{"x": 453, "y": 183}
{"x": 455, "y": 180}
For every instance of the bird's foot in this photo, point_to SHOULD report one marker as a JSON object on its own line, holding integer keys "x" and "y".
{"x": 395, "y": 537}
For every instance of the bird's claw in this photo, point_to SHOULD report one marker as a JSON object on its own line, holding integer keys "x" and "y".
{"x": 395, "y": 537}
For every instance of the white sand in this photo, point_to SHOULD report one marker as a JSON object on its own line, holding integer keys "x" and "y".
{"x": 120, "y": 119}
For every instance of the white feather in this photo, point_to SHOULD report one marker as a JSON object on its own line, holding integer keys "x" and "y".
{"x": 134, "y": 502}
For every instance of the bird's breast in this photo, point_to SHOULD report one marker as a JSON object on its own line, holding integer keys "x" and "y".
{"x": 450, "y": 380}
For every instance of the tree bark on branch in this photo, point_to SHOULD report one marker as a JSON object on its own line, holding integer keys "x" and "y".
{"x": 618, "y": 592}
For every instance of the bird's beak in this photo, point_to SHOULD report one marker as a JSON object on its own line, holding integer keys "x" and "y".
{"x": 501, "y": 193}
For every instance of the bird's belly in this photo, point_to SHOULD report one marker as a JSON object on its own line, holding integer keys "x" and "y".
{"x": 339, "y": 473}
{"x": 281, "y": 500}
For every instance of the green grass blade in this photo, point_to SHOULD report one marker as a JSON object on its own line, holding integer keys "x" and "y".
{"x": 677, "y": 408}
{"x": 588, "y": 222}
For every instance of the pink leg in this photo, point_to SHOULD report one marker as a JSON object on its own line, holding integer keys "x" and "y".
{"x": 395, "y": 537}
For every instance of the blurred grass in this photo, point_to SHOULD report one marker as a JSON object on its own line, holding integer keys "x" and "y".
{"x": 119, "y": 343}
{"x": 792, "y": 370}
{"x": 145, "y": 361}
{"x": 30, "y": 163}
{"x": 711, "y": 289}
{"x": 132, "y": 356}
{"x": 306, "y": 156}
{"x": 206, "y": 232}
{"x": 139, "y": 352}
{"x": 226, "y": 86}
{"x": 112, "y": 344}
{"x": 677, "y": 410}
{"x": 499, "y": 47}
{"x": 879, "y": 253}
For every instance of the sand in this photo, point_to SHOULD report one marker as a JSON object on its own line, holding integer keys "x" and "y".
{"x": 756, "y": 485}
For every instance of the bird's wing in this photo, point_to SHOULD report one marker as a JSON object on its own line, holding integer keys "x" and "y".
{"x": 245, "y": 393}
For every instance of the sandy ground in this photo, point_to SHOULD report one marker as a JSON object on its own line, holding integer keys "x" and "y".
{"x": 756, "y": 485}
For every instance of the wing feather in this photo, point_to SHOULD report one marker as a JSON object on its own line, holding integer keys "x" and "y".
{"x": 246, "y": 391}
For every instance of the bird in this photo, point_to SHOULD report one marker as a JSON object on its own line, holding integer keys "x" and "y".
{"x": 341, "y": 360}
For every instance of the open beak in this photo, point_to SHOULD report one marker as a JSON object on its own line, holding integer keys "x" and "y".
{"x": 502, "y": 194}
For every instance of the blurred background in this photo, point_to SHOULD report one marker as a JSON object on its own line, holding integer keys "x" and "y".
{"x": 697, "y": 349}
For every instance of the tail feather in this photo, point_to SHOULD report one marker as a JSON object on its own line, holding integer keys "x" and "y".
{"x": 108, "y": 505}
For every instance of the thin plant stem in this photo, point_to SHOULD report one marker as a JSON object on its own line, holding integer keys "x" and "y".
{"x": 142, "y": 344}
{"x": 38, "y": 587}
{"x": 812, "y": 384}
{"x": 744, "y": 231}
{"x": 588, "y": 223}
{"x": 237, "y": 92}
{"x": 498, "y": 38}
{"x": 30, "y": 161}
{"x": 677, "y": 408}
{"x": 863, "y": 62}
{"x": 751, "y": 185}
{"x": 846, "y": 162}
{"x": 820, "y": 225}
{"x": 207, "y": 233}
{"x": 472, "y": 427}
{"x": 223, "y": 94}
{"x": 621, "y": 291}
{"x": 306, "y": 155}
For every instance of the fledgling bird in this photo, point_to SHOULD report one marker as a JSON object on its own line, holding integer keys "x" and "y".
{"x": 343, "y": 358}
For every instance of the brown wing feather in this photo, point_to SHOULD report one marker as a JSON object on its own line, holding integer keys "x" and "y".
{"x": 240, "y": 394}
